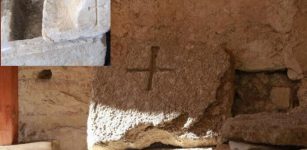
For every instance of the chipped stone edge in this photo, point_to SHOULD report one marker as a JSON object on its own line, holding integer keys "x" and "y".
{"x": 99, "y": 139}
{"x": 6, "y": 21}
{"x": 22, "y": 49}
{"x": 51, "y": 33}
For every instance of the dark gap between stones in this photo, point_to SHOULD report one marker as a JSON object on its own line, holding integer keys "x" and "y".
{"x": 27, "y": 19}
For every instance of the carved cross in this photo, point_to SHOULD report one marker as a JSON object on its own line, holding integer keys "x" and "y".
{"x": 153, "y": 68}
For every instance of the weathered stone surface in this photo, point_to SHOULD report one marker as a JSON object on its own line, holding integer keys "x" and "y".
{"x": 302, "y": 93}
{"x": 300, "y": 23}
{"x": 260, "y": 41}
{"x": 72, "y": 19}
{"x": 55, "y": 108}
{"x": 31, "y": 146}
{"x": 283, "y": 129}
{"x": 245, "y": 146}
{"x": 280, "y": 96}
{"x": 260, "y": 92}
{"x": 38, "y": 52}
{"x": 167, "y": 80}
{"x": 177, "y": 89}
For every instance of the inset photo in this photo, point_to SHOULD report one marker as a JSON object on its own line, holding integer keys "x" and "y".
{"x": 55, "y": 32}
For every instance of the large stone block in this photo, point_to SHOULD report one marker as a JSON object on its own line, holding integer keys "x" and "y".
{"x": 73, "y": 19}
{"x": 169, "y": 91}
{"x": 38, "y": 52}
{"x": 280, "y": 129}
{"x": 280, "y": 96}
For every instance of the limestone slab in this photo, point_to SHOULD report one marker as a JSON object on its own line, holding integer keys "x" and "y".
{"x": 38, "y": 52}
{"x": 281, "y": 129}
{"x": 73, "y": 19}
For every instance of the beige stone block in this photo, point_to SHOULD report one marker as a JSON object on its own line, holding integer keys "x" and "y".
{"x": 280, "y": 96}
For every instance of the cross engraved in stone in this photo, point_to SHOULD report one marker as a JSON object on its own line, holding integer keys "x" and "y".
{"x": 152, "y": 68}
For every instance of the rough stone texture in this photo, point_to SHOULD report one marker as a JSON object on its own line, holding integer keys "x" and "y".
{"x": 302, "y": 93}
{"x": 254, "y": 93}
{"x": 300, "y": 23}
{"x": 260, "y": 34}
{"x": 38, "y": 52}
{"x": 283, "y": 129}
{"x": 55, "y": 108}
{"x": 170, "y": 81}
{"x": 180, "y": 95}
{"x": 280, "y": 96}
{"x": 73, "y": 19}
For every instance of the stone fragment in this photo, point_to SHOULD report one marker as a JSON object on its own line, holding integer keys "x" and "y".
{"x": 302, "y": 93}
{"x": 281, "y": 129}
{"x": 38, "y": 52}
{"x": 295, "y": 71}
{"x": 280, "y": 96}
{"x": 73, "y": 19}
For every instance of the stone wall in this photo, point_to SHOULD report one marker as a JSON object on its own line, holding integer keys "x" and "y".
{"x": 167, "y": 77}
{"x": 54, "y": 107}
